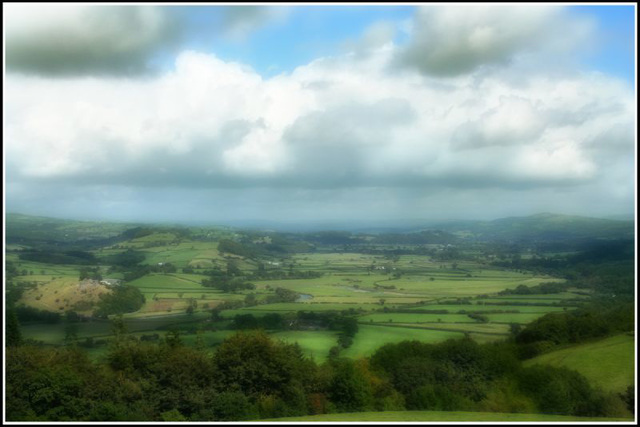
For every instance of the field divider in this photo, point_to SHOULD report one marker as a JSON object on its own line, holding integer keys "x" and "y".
{"x": 408, "y": 326}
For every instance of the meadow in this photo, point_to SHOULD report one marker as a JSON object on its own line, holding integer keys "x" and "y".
{"x": 607, "y": 363}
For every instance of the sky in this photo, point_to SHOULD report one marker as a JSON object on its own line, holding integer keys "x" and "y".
{"x": 319, "y": 113}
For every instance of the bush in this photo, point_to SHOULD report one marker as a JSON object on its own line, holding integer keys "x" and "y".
{"x": 123, "y": 299}
{"x": 557, "y": 390}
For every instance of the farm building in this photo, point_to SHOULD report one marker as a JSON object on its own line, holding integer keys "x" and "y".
{"x": 111, "y": 282}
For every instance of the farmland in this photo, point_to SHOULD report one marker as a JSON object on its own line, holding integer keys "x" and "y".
{"x": 332, "y": 299}
{"x": 403, "y": 297}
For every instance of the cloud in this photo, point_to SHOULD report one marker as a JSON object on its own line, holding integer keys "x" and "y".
{"x": 239, "y": 21}
{"x": 513, "y": 121}
{"x": 71, "y": 40}
{"x": 455, "y": 40}
{"x": 378, "y": 34}
{"x": 333, "y": 137}
{"x": 340, "y": 122}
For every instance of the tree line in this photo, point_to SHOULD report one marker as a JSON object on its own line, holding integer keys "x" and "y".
{"x": 253, "y": 376}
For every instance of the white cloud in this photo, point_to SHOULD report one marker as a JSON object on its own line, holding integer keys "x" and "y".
{"x": 514, "y": 121}
{"x": 356, "y": 126}
{"x": 338, "y": 122}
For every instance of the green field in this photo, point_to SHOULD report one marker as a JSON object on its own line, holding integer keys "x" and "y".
{"x": 371, "y": 337}
{"x": 607, "y": 363}
{"x": 314, "y": 344}
{"x": 440, "y": 416}
{"x": 345, "y": 284}
{"x": 363, "y": 284}
{"x": 522, "y": 318}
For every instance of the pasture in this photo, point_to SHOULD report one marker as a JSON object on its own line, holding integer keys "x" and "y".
{"x": 314, "y": 344}
{"x": 607, "y": 363}
{"x": 371, "y": 337}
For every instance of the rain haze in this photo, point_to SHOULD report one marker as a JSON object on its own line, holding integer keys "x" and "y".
{"x": 319, "y": 114}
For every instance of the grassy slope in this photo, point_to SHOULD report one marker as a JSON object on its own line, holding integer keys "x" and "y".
{"x": 608, "y": 363}
{"x": 436, "y": 416}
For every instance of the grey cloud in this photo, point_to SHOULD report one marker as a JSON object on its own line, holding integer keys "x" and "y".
{"x": 618, "y": 139}
{"x": 117, "y": 40}
{"x": 579, "y": 115}
{"x": 239, "y": 21}
{"x": 103, "y": 40}
{"x": 291, "y": 204}
{"x": 455, "y": 40}
{"x": 335, "y": 145}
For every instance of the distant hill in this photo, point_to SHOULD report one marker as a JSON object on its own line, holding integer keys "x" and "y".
{"x": 541, "y": 227}
{"x": 25, "y": 229}
{"x": 545, "y": 227}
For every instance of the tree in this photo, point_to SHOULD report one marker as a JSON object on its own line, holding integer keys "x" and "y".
{"x": 255, "y": 364}
{"x": 557, "y": 390}
{"x": 123, "y": 299}
{"x": 629, "y": 398}
{"x": 192, "y": 306}
{"x": 250, "y": 300}
{"x": 231, "y": 406}
{"x": 12, "y": 328}
{"x": 172, "y": 338}
{"x": 70, "y": 333}
{"x": 349, "y": 389}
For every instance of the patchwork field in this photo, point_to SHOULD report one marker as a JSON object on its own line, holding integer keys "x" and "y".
{"x": 390, "y": 297}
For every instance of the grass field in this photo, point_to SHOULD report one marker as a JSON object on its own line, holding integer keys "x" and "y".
{"x": 521, "y": 318}
{"x": 440, "y": 416}
{"x": 371, "y": 337}
{"x": 608, "y": 363}
{"x": 315, "y": 344}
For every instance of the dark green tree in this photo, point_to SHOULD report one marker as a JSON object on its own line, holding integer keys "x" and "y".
{"x": 349, "y": 389}
{"x": 12, "y": 328}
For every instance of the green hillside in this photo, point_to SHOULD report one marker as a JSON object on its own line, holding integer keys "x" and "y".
{"x": 608, "y": 363}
